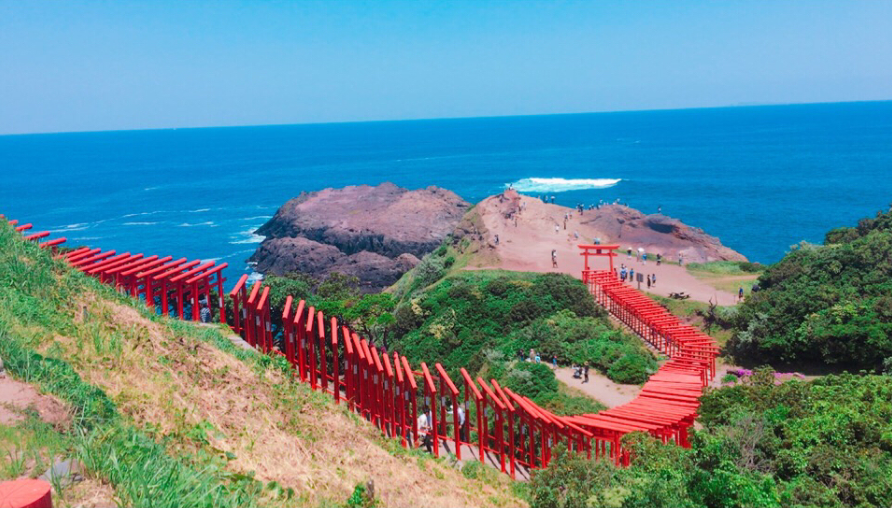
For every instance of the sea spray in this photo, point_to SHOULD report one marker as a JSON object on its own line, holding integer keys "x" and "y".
{"x": 563, "y": 184}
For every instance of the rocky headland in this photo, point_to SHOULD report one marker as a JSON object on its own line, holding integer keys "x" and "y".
{"x": 375, "y": 233}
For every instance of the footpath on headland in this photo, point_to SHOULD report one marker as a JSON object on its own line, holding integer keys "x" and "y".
{"x": 386, "y": 391}
{"x": 526, "y": 238}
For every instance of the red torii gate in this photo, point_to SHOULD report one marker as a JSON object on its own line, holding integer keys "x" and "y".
{"x": 596, "y": 250}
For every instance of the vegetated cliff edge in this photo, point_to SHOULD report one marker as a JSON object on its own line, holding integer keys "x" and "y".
{"x": 375, "y": 233}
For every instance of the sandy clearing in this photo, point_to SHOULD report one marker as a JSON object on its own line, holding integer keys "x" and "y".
{"x": 599, "y": 387}
{"x": 525, "y": 244}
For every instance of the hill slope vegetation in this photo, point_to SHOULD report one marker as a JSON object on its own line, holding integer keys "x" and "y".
{"x": 168, "y": 413}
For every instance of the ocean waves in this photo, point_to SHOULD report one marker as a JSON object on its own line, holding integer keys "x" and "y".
{"x": 563, "y": 184}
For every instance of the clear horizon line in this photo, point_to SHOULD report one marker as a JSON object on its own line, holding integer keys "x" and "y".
{"x": 341, "y": 122}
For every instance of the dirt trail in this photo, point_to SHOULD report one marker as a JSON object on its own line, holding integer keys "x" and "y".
{"x": 526, "y": 245}
{"x": 600, "y": 387}
{"x": 16, "y": 397}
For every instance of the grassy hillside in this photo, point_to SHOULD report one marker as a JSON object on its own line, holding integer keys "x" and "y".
{"x": 828, "y": 304}
{"x": 482, "y": 319}
{"x": 166, "y": 413}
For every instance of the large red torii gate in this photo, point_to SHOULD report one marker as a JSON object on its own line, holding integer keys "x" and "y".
{"x": 599, "y": 250}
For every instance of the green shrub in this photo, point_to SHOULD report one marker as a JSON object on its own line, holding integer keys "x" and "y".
{"x": 630, "y": 369}
{"x": 827, "y": 304}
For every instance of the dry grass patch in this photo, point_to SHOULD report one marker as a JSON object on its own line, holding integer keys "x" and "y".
{"x": 203, "y": 402}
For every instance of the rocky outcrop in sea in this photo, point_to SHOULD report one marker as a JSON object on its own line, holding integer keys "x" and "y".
{"x": 376, "y": 233}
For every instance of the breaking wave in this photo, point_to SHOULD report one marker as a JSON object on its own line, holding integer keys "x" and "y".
{"x": 247, "y": 236}
{"x": 563, "y": 184}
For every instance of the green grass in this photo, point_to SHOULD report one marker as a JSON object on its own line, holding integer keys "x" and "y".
{"x": 727, "y": 276}
{"x": 719, "y": 268}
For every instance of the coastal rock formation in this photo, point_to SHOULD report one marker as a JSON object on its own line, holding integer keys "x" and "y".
{"x": 375, "y": 233}
{"x": 657, "y": 233}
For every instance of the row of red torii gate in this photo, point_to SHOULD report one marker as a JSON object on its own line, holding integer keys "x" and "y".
{"x": 493, "y": 424}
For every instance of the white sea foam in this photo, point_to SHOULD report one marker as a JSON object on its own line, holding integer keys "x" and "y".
{"x": 563, "y": 184}
{"x": 188, "y": 225}
{"x": 138, "y": 223}
{"x": 70, "y": 227}
{"x": 254, "y": 277}
{"x": 143, "y": 213}
{"x": 247, "y": 236}
{"x": 258, "y": 217}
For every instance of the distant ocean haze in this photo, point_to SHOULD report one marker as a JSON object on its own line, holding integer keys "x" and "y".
{"x": 759, "y": 178}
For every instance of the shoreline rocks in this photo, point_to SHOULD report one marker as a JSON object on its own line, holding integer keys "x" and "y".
{"x": 375, "y": 233}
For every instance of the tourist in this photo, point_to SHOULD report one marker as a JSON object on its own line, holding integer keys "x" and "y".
{"x": 497, "y": 236}
{"x": 576, "y": 235}
{"x": 585, "y": 374}
{"x": 538, "y": 359}
{"x": 632, "y": 275}
{"x": 552, "y": 199}
{"x": 653, "y": 279}
{"x": 680, "y": 259}
{"x": 648, "y": 282}
{"x": 424, "y": 430}
{"x": 629, "y": 252}
{"x": 532, "y": 354}
{"x": 740, "y": 294}
{"x": 659, "y": 258}
{"x": 557, "y": 229}
{"x": 554, "y": 361}
{"x": 622, "y": 274}
{"x": 554, "y": 258}
{"x": 644, "y": 258}
{"x": 461, "y": 420}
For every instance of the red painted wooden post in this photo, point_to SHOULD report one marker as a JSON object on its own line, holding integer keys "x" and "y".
{"x": 367, "y": 381}
{"x": 453, "y": 393}
{"x": 311, "y": 346}
{"x": 250, "y": 317}
{"x": 399, "y": 398}
{"x": 510, "y": 410}
{"x": 323, "y": 357}
{"x": 336, "y": 382}
{"x": 350, "y": 368}
{"x": 358, "y": 373}
{"x": 287, "y": 326}
{"x": 412, "y": 394}
{"x": 300, "y": 323}
{"x": 431, "y": 390}
{"x": 389, "y": 406}
{"x": 478, "y": 398}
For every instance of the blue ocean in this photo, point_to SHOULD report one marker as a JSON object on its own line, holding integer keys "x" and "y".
{"x": 760, "y": 178}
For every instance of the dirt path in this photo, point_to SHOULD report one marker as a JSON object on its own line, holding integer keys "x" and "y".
{"x": 527, "y": 246}
{"x": 16, "y": 397}
{"x": 599, "y": 387}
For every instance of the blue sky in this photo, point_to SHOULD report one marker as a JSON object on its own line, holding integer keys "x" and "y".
{"x": 75, "y": 66}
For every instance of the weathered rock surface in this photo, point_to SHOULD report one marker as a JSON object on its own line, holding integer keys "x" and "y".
{"x": 375, "y": 233}
{"x": 657, "y": 233}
